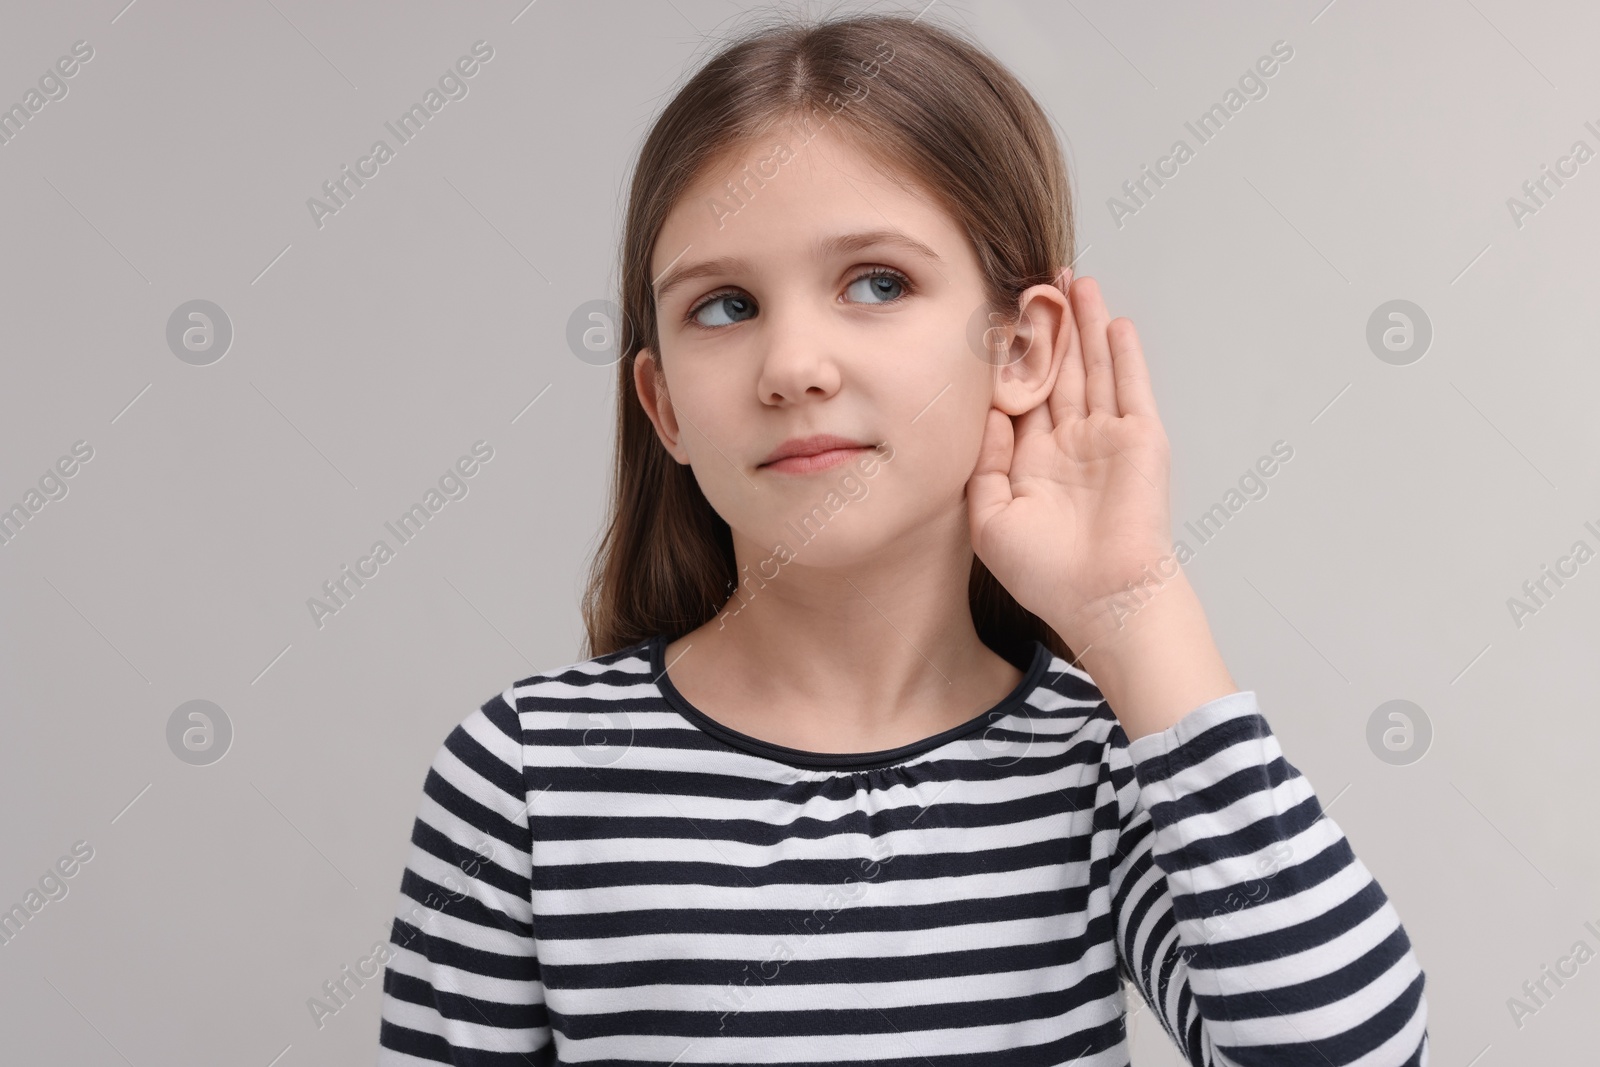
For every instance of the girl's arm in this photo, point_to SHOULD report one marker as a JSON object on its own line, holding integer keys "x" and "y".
{"x": 1159, "y": 661}
{"x": 1242, "y": 914}
{"x": 462, "y": 984}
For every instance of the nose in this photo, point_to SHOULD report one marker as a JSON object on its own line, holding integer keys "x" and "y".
{"x": 797, "y": 359}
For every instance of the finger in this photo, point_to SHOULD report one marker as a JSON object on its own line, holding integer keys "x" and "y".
{"x": 1067, "y": 398}
{"x": 1134, "y": 396}
{"x": 989, "y": 488}
{"x": 1099, "y": 385}
{"x": 1031, "y": 423}
{"x": 1025, "y": 451}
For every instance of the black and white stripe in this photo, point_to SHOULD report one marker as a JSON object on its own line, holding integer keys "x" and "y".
{"x": 682, "y": 894}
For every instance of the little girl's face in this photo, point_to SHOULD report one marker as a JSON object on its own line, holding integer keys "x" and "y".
{"x": 826, "y": 299}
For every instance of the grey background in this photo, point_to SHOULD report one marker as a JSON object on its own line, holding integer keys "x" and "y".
{"x": 432, "y": 311}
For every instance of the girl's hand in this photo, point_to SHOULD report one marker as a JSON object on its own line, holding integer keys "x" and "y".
{"x": 1069, "y": 502}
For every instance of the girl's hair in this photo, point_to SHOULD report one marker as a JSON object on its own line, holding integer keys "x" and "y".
{"x": 924, "y": 104}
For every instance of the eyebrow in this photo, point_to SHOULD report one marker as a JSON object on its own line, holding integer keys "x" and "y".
{"x": 834, "y": 245}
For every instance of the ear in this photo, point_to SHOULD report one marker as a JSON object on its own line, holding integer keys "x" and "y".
{"x": 650, "y": 382}
{"x": 1034, "y": 350}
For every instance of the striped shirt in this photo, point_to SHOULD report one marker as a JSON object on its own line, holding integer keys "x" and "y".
{"x": 602, "y": 874}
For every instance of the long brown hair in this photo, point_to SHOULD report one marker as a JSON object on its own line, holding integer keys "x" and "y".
{"x": 923, "y": 101}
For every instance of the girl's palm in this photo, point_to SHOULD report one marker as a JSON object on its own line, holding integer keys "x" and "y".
{"x": 1069, "y": 503}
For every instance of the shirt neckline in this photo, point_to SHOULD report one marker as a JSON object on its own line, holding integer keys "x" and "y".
{"x": 843, "y": 761}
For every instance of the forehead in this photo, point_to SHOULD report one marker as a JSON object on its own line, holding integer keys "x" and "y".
{"x": 773, "y": 197}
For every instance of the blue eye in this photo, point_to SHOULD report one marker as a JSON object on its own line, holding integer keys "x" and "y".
{"x": 883, "y": 282}
{"x": 743, "y": 308}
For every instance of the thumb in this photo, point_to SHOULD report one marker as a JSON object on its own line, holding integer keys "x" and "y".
{"x": 989, "y": 488}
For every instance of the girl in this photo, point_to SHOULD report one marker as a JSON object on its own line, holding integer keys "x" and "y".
{"x": 904, "y": 738}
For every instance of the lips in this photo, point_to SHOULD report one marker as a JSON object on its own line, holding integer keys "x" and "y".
{"x": 815, "y": 446}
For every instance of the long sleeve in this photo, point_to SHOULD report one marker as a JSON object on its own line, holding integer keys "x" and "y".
{"x": 1243, "y": 916}
{"x": 462, "y": 982}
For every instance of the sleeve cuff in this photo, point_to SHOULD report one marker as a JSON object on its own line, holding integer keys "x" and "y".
{"x": 1193, "y": 724}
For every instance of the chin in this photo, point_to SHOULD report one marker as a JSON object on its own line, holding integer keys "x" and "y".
{"x": 816, "y": 538}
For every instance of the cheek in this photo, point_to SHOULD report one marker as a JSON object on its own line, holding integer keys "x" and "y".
{"x": 941, "y": 439}
{"x": 712, "y": 420}
{"x": 946, "y": 455}
{"x": 716, "y": 432}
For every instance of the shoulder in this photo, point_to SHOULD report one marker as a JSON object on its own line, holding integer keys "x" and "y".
{"x": 491, "y": 741}
{"x": 611, "y": 678}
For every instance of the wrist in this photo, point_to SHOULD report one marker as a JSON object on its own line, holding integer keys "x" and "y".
{"x": 1156, "y": 663}
{"x": 1109, "y": 619}
{"x": 1118, "y": 620}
